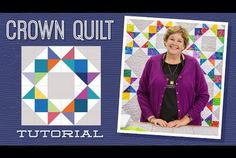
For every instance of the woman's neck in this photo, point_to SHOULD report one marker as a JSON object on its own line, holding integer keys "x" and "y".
{"x": 173, "y": 58}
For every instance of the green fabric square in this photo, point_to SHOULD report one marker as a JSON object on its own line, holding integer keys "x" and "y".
{"x": 216, "y": 101}
{"x": 127, "y": 73}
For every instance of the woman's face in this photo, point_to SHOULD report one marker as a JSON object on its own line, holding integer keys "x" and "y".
{"x": 175, "y": 44}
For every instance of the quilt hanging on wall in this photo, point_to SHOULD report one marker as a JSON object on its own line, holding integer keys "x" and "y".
{"x": 143, "y": 38}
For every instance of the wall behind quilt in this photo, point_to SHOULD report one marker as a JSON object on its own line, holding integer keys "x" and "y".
{"x": 143, "y": 38}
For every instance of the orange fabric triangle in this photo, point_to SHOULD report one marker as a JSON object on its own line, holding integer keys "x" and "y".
{"x": 212, "y": 61}
{"x": 70, "y": 107}
{"x": 52, "y": 63}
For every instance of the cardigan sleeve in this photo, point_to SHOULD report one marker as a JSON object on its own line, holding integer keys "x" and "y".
{"x": 201, "y": 93}
{"x": 143, "y": 92}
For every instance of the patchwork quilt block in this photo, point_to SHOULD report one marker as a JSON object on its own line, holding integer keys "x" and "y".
{"x": 61, "y": 85}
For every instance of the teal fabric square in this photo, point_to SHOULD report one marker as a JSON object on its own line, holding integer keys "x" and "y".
{"x": 41, "y": 65}
{"x": 81, "y": 105}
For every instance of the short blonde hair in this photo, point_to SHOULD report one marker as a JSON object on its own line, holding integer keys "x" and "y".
{"x": 177, "y": 29}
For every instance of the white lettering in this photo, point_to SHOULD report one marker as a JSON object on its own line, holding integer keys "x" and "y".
{"x": 21, "y": 24}
{"x": 31, "y": 22}
{"x": 68, "y": 133}
{"x": 95, "y": 134}
{"x": 13, "y": 23}
{"x": 59, "y": 133}
{"x": 33, "y": 135}
{"x": 99, "y": 30}
{"x": 86, "y": 133}
{"x": 21, "y": 133}
{"x": 33, "y": 30}
{"x": 55, "y": 133}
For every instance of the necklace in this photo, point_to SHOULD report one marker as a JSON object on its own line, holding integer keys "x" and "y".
{"x": 172, "y": 73}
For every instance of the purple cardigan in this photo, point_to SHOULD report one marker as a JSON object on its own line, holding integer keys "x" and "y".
{"x": 191, "y": 89}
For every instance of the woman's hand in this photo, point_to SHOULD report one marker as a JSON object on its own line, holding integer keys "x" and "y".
{"x": 160, "y": 122}
{"x": 175, "y": 123}
{"x": 178, "y": 123}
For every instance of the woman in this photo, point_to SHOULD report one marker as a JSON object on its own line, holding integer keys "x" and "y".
{"x": 172, "y": 89}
